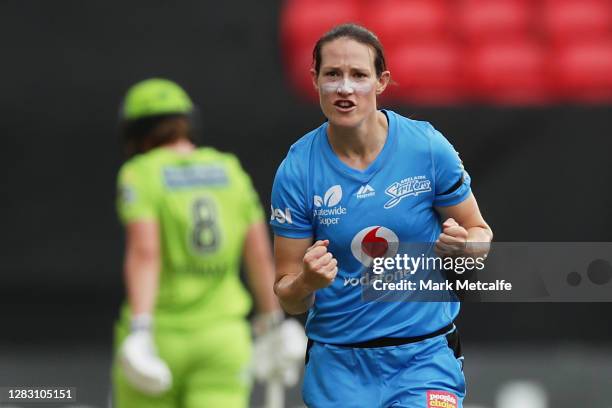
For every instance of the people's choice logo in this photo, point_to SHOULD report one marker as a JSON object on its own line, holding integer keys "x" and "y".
{"x": 327, "y": 208}
{"x": 374, "y": 242}
{"x": 410, "y": 186}
{"x": 280, "y": 216}
{"x": 441, "y": 399}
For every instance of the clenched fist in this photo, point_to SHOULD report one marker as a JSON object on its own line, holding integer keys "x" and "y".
{"x": 452, "y": 240}
{"x": 319, "y": 266}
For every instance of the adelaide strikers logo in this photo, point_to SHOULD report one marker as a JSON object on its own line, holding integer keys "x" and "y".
{"x": 374, "y": 242}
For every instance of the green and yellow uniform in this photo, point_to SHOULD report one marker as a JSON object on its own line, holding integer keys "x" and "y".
{"x": 203, "y": 203}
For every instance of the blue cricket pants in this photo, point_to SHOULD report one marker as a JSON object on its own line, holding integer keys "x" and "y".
{"x": 423, "y": 374}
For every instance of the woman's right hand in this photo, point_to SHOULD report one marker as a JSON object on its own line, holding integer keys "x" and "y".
{"x": 301, "y": 268}
{"x": 319, "y": 266}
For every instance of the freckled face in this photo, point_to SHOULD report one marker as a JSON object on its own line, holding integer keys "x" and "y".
{"x": 347, "y": 82}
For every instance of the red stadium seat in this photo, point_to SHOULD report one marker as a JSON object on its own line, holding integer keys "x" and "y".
{"x": 297, "y": 66}
{"x": 398, "y": 21}
{"x": 568, "y": 20}
{"x": 583, "y": 71}
{"x": 510, "y": 72}
{"x": 304, "y": 21}
{"x": 426, "y": 73}
{"x": 484, "y": 20}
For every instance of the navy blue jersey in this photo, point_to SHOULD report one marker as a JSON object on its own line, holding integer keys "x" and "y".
{"x": 316, "y": 195}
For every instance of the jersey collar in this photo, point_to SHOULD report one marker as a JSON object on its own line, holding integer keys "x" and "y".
{"x": 382, "y": 158}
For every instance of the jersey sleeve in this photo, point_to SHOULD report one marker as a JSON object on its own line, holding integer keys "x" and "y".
{"x": 289, "y": 210}
{"x": 135, "y": 198}
{"x": 452, "y": 182}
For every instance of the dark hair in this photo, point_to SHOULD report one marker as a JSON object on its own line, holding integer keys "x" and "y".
{"x": 144, "y": 134}
{"x": 354, "y": 32}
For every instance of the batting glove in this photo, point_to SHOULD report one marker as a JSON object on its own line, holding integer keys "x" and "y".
{"x": 138, "y": 358}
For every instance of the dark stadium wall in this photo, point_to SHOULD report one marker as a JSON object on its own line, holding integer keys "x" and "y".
{"x": 539, "y": 174}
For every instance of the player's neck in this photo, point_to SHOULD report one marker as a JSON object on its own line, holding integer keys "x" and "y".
{"x": 359, "y": 146}
{"x": 182, "y": 146}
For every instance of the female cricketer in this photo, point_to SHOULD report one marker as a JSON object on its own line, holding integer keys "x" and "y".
{"x": 369, "y": 176}
{"x": 191, "y": 215}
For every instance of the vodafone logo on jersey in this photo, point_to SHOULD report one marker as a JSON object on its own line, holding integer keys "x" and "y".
{"x": 374, "y": 242}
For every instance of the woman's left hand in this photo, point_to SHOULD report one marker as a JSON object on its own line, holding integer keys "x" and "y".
{"x": 453, "y": 239}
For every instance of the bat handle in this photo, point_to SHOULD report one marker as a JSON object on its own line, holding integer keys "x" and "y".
{"x": 275, "y": 394}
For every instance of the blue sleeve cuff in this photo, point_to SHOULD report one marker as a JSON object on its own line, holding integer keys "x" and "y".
{"x": 291, "y": 232}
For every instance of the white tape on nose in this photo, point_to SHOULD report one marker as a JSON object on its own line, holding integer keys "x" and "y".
{"x": 346, "y": 86}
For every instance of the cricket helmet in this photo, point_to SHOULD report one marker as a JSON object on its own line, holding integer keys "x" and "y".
{"x": 154, "y": 97}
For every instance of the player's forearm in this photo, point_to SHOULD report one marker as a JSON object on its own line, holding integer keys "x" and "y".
{"x": 261, "y": 282}
{"x": 141, "y": 272}
{"x": 294, "y": 295}
{"x": 479, "y": 241}
{"x": 260, "y": 276}
{"x": 260, "y": 267}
